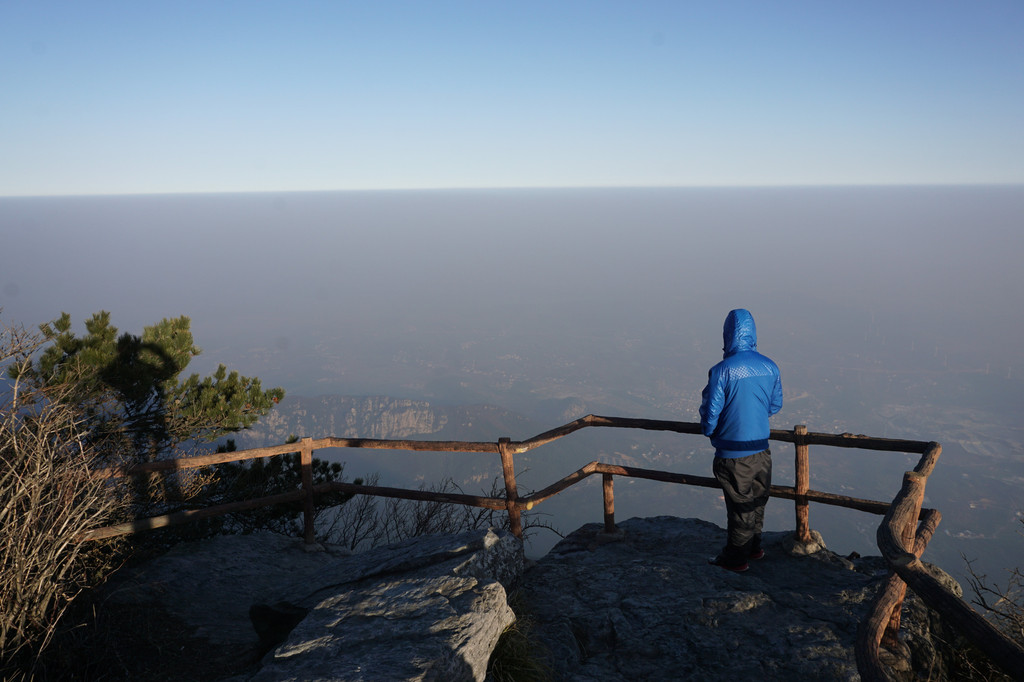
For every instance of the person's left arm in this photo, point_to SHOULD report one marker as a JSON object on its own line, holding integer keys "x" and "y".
{"x": 776, "y": 403}
{"x": 712, "y": 399}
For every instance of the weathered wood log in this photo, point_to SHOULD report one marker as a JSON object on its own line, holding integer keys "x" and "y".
{"x": 889, "y": 535}
{"x": 890, "y": 637}
{"x": 1003, "y": 651}
{"x": 872, "y": 628}
{"x": 929, "y": 459}
{"x": 929, "y": 522}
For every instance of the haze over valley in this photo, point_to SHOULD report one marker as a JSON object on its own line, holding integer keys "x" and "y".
{"x": 488, "y": 313}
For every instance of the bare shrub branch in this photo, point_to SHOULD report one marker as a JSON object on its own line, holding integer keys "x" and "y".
{"x": 1003, "y": 604}
{"x": 47, "y": 499}
{"x": 366, "y": 521}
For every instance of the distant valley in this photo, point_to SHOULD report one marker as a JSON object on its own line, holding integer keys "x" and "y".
{"x": 970, "y": 514}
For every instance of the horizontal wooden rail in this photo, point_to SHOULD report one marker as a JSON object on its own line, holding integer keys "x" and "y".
{"x": 190, "y": 515}
{"x": 199, "y": 461}
{"x": 616, "y": 422}
{"x": 529, "y": 502}
{"x": 178, "y": 518}
{"x": 844, "y": 440}
{"x": 196, "y": 462}
{"x": 785, "y": 492}
{"x": 422, "y": 495}
{"x": 415, "y": 445}
{"x": 849, "y": 440}
{"x": 517, "y": 504}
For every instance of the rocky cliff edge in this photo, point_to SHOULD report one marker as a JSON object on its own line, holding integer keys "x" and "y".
{"x": 640, "y": 604}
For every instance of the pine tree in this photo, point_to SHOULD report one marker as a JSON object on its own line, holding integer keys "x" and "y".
{"x": 133, "y": 385}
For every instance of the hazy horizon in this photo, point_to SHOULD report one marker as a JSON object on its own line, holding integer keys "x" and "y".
{"x": 521, "y": 188}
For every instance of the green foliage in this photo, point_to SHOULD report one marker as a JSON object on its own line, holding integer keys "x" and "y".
{"x": 132, "y": 384}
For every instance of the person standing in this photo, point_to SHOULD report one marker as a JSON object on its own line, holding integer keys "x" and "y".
{"x": 742, "y": 392}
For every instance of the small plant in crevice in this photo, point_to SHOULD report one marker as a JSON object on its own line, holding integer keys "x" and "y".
{"x": 519, "y": 655}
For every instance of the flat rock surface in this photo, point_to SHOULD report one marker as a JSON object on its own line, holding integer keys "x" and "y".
{"x": 649, "y": 607}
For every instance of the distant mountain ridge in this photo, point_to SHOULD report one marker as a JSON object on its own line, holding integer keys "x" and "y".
{"x": 387, "y": 417}
{"x": 391, "y": 418}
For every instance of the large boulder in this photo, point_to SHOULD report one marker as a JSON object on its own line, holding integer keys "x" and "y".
{"x": 430, "y": 608}
{"x": 649, "y": 606}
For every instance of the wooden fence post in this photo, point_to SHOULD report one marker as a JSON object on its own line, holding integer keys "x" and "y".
{"x": 609, "y": 503}
{"x": 508, "y": 469}
{"x": 802, "y": 484}
{"x": 891, "y": 635}
{"x": 306, "y": 461}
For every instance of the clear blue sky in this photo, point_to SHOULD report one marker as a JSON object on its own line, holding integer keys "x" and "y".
{"x": 204, "y": 96}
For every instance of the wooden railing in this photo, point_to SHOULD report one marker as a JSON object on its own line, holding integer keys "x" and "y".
{"x": 902, "y": 537}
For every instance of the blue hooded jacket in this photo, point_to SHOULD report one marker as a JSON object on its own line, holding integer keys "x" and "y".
{"x": 743, "y": 391}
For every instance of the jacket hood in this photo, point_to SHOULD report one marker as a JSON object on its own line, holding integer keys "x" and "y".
{"x": 739, "y": 332}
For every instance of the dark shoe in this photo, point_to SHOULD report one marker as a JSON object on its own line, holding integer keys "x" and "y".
{"x": 756, "y": 554}
{"x": 720, "y": 562}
